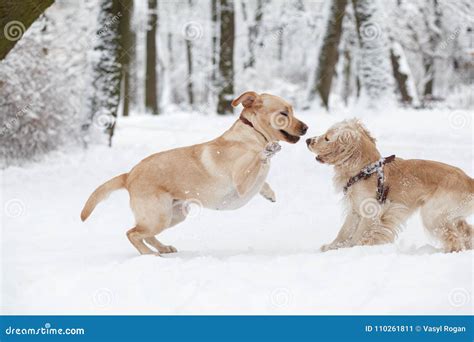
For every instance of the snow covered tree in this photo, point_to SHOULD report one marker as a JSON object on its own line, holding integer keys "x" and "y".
{"x": 226, "y": 57}
{"x": 402, "y": 75}
{"x": 107, "y": 68}
{"x": 253, "y": 34}
{"x": 15, "y": 18}
{"x": 151, "y": 84}
{"x": 374, "y": 69}
{"x": 329, "y": 52}
{"x": 432, "y": 18}
{"x": 43, "y": 85}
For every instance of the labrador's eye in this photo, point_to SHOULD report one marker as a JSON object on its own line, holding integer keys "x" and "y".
{"x": 284, "y": 113}
{"x": 326, "y": 138}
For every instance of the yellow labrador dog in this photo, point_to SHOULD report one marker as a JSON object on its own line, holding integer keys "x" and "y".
{"x": 224, "y": 173}
{"x": 382, "y": 193}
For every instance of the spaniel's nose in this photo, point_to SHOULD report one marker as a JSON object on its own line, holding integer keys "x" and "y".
{"x": 308, "y": 141}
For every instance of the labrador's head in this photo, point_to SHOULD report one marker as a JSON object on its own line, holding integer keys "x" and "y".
{"x": 272, "y": 116}
{"x": 343, "y": 143}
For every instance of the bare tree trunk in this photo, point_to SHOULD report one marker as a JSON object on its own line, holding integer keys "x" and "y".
{"x": 151, "y": 84}
{"x": 15, "y": 18}
{"x": 253, "y": 33}
{"x": 214, "y": 20}
{"x": 108, "y": 70}
{"x": 189, "y": 57}
{"x": 428, "y": 58}
{"x": 347, "y": 73}
{"x": 128, "y": 53}
{"x": 226, "y": 58}
{"x": 329, "y": 53}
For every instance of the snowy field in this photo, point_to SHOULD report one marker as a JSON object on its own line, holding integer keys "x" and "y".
{"x": 261, "y": 259}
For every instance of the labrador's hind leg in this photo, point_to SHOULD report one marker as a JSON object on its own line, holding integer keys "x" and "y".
{"x": 153, "y": 214}
{"x": 179, "y": 214}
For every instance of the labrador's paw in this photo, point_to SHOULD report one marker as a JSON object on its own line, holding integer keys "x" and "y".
{"x": 269, "y": 195}
{"x": 271, "y": 149}
{"x": 167, "y": 249}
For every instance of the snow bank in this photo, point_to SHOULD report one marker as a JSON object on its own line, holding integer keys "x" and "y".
{"x": 261, "y": 259}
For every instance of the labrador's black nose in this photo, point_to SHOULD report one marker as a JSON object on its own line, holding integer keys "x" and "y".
{"x": 303, "y": 129}
{"x": 308, "y": 141}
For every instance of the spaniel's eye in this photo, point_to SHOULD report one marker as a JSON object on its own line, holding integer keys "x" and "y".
{"x": 284, "y": 113}
{"x": 326, "y": 138}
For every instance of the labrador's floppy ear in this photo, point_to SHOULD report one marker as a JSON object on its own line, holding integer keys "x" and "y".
{"x": 248, "y": 99}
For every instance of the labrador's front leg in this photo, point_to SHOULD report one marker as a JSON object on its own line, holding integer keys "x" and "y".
{"x": 267, "y": 192}
{"x": 248, "y": 170}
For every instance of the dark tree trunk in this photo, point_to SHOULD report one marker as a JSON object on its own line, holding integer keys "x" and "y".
{"x": 107, "y": 71}
{"x": 400, "y": 78}
{"x": 189, "y": 57}
{"x": 189, "y": 80}
{"x": 214, "y": 19}
{"x": 329, "y": 53}
{"x": 151, "y": 86}
{"x": 428, "y": 58}
{"x": 16, "y": 16}
{"x": 347, "y": 73}
{"x": 226, "y": 58}
{"x": 253, "y": 33}
{"x": 128, "y": 54}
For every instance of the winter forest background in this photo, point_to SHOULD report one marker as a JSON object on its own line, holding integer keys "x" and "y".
{"x": 68, "y": 78}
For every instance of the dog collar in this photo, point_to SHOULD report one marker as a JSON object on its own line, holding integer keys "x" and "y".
{"x": 248, "y": 123}
{"x": 367, "y": 171}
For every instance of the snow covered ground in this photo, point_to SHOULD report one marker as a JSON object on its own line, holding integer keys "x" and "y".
{"x": 261, "y": 259}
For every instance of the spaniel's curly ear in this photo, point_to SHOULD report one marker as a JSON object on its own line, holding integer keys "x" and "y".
{"x": 248, "y": 99}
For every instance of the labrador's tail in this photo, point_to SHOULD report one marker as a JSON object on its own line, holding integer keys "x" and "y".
{"x": 101, "y": 193}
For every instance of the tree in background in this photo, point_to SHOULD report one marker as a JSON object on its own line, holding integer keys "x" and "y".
{"x": 15, "y": 18}
{"x": 189, "y": 57}
{"x": 151, "y": 84}
{"x": 374, "y": 70}
{"x": 253, "y": 34}
{"x": 127, "y": 38}
{"x": 107, "y": 69}
{"x": 432, "y": 18}
{"x": 214, "y": 27}
{"x": 401, "y": 73}
{"x": 226, "y": 57}
{"x": 329, "y": 52}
